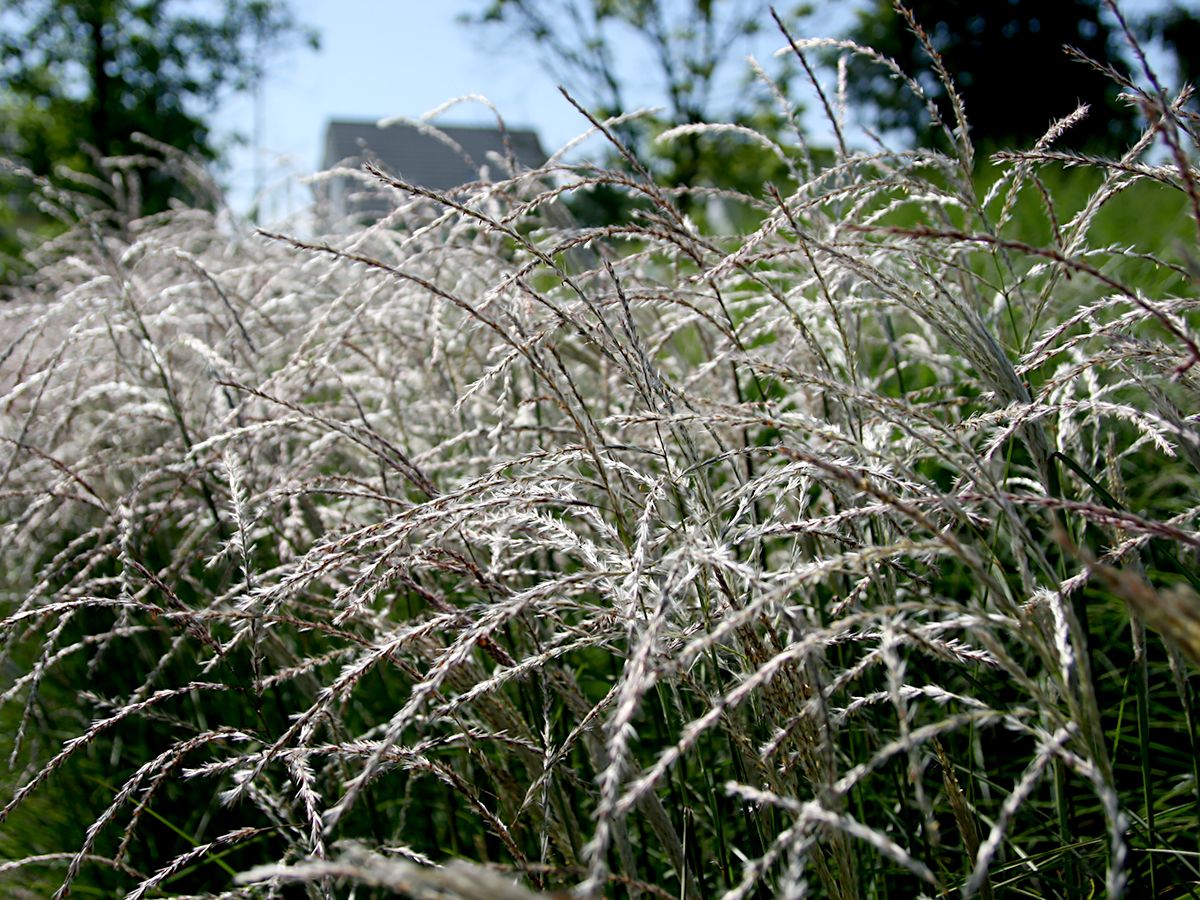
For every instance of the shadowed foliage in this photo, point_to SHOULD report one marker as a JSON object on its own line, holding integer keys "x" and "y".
{"x": 1009, "y": 63}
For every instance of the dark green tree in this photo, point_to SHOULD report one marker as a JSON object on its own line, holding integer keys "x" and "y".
{"x": 79, "y": 78}
{"x": 1008, "y": 63}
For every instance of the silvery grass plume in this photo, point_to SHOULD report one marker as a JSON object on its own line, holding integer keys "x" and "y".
{"x": 815, "y": 558}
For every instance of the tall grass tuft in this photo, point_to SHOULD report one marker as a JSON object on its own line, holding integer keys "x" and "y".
{"x": 472, "y": 553}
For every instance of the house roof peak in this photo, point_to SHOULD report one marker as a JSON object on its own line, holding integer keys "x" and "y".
{"x": 422, "y": 156}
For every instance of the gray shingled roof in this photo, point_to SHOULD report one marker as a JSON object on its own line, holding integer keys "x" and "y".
{"x": 423, "y": 159}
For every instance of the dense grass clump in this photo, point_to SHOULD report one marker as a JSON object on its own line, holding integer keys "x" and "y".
{"x": 470, "y": 553}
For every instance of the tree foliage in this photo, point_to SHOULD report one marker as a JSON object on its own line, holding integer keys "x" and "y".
{"x": 79, "y": 78}
{"x": 1009, "y": 66}
{"x": 683, "y": 53}
{"x": 682, "y": 46}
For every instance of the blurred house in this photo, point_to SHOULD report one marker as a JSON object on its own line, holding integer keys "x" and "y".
{"x": 440, "y": 162}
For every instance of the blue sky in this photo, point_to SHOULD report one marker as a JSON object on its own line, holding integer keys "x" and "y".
{"x": 379, "y": 59}
{"x": 383, "y": 58}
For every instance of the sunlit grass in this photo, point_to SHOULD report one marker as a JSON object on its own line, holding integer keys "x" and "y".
{"x": 472, "y": 549}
